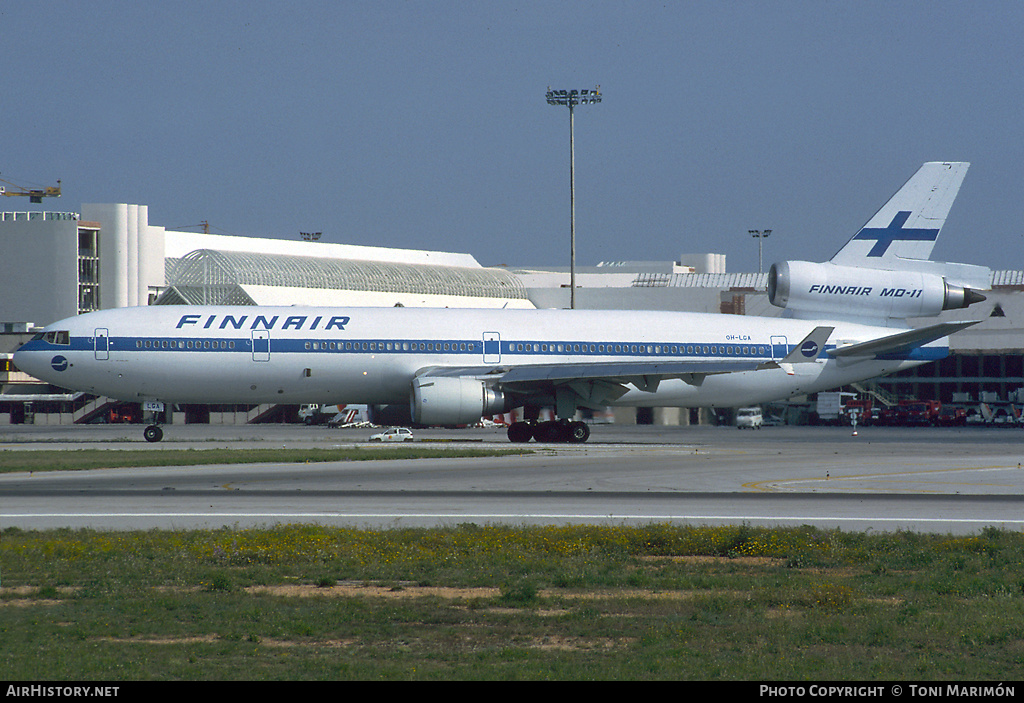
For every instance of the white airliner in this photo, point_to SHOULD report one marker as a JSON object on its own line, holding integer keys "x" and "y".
{"x": 844, "y": 321}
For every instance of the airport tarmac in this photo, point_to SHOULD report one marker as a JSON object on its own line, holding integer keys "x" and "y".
{"x": 946, "y": 480}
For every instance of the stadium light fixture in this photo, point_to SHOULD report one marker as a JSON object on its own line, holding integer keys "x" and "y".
{"x": 570, "y": 99}
{"x": 760, "y": 235}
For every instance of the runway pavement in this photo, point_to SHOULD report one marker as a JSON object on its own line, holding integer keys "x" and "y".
{"x": 919, "y": 479}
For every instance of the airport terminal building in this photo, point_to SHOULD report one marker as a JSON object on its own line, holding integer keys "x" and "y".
{"x": 60, "y": 264}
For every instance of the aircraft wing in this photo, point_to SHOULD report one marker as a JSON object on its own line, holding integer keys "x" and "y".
{"x": 592, "y": 384}
{"x": 611, "y": 371}
{"x": 644, "y": 375}
{"x": 901, "y": 342}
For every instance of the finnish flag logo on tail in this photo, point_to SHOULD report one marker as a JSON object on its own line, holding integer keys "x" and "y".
{"x": 907, "y": 226}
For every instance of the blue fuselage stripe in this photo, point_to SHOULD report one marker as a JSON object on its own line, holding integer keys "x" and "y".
{"x": 279, "y": 345}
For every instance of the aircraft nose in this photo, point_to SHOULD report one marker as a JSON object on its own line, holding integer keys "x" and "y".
{"x": 34, "y": 362}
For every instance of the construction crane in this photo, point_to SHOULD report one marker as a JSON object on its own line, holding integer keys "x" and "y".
{"x": 35, "y": 195}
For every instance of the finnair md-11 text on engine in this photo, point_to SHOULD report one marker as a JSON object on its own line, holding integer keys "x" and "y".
{"x": 844, "y": 321}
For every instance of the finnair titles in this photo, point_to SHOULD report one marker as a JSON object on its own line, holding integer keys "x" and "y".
{"x": 263, "y": 322}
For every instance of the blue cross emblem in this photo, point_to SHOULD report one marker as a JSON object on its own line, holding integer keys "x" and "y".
{"x": 884, "y": 236}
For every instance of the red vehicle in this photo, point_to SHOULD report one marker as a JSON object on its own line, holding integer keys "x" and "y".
{"x": 918, "y": 412}
{"x": 861, "y": 409}
{"x": 952, "y": 416}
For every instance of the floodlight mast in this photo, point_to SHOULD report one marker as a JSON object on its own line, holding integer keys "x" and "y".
{"x": 570, "y": 99}
{"x": 760, "y": 235}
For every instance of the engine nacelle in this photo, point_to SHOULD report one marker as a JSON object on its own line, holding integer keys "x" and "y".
{"x": 825, "y": 289}
{"x": 438, "y": 400}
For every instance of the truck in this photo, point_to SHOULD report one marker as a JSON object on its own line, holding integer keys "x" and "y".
{"x": 856, "y": 412}
{"x": 828, "y": 408}
{"x": 952, "y": 416}
{"x": 916, "y": 413}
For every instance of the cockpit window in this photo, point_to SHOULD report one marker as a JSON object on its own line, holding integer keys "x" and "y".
{"x": 56, "y": 337}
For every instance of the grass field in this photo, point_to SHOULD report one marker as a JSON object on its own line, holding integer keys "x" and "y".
{"x": 81, "y": 459}
{"x": 505, "y": 602}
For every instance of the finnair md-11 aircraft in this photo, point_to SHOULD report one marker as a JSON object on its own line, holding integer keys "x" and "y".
{"x": 844, "y": 321}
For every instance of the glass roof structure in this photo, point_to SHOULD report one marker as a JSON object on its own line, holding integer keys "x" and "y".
{"x": 213, "y": 277}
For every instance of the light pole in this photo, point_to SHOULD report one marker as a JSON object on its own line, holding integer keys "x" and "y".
{"x": 760, "y": 235}
{"x": 572, "y": 98}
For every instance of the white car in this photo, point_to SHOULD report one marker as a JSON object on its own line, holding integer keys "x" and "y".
{"x": 749, "y": 417}
{"x": 393, "y": 434}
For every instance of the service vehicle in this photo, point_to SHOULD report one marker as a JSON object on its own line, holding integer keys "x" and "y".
{"x": 393, "y": 434}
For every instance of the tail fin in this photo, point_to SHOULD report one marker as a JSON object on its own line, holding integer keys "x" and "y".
{"x": 908, "y": 225}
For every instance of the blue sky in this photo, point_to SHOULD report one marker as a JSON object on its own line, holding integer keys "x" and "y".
{"x": 424, "y": 124}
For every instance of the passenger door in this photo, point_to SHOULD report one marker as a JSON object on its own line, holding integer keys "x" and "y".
{"x": 261, "y": 345}
{"x": 101, "y": 344}
{"x": 492, "y": 348}
{"x": 780, "y": 348}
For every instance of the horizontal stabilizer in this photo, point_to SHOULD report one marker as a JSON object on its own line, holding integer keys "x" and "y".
{"x": 903, "y": 341}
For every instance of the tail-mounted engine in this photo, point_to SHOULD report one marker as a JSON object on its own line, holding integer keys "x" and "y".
{"x": 805, "y": 287}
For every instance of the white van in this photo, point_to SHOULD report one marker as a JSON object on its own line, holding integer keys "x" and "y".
{"x": 749, "y": 417}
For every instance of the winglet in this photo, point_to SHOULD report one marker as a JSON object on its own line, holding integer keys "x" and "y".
{"x": 810, "y": 348}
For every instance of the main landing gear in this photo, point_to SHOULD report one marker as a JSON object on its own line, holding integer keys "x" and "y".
{"x": 153, "y": 433}
{"x": 554, "y": 431}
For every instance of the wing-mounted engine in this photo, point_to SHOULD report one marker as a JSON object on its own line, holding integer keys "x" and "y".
{"x": 440, "y": 400}
{"x": 807, "y": 289}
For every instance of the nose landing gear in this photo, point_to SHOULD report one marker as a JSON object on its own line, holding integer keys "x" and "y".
{"x": 153, "y": 433}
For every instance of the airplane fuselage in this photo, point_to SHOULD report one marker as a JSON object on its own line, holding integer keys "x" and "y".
{"x": 250, "y": 355}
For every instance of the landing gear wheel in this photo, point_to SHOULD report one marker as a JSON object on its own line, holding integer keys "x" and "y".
{"x": 549, "y": 432}
{"x": 520, "y": 432}
{"x": 153, "y": 433}
{"x": 579, "y": 432}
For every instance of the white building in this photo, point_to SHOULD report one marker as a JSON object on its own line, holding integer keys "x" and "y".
{"x": 59, "y": 264}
